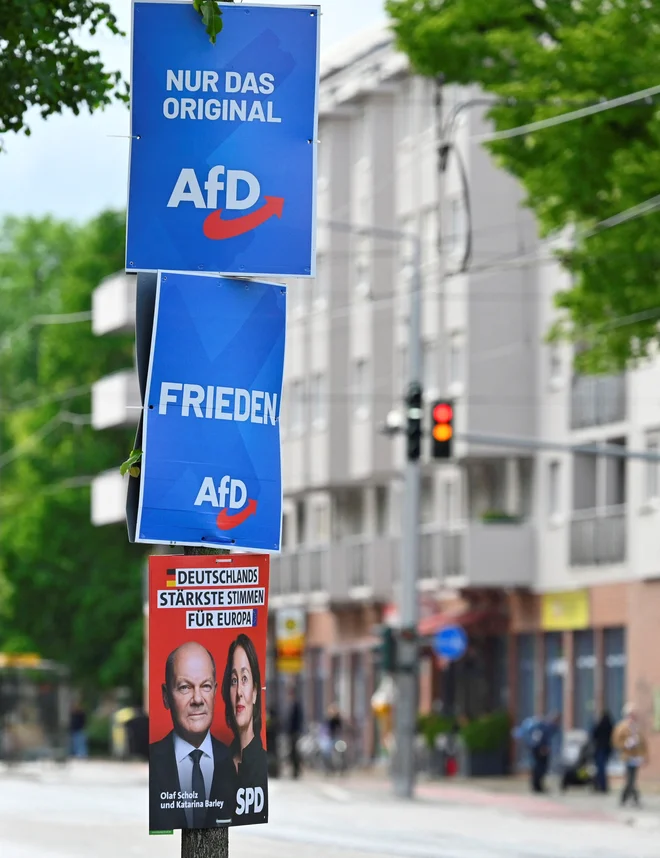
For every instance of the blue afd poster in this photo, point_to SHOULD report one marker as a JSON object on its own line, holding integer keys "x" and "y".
{"x": 211, "y": 467}
{"x": 223, "y": 140}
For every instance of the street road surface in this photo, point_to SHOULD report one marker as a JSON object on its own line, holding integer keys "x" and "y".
{"x": 100, "y": 810}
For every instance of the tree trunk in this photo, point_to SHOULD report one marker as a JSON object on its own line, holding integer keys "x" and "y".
{"x": 204, "y": 842}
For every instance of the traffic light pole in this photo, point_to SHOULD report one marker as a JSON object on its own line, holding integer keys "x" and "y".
{"x": 406, "y": 670}
{"x": 407, "y": 685}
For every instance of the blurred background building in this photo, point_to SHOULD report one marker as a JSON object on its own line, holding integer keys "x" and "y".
{"x": 546, "y": 557}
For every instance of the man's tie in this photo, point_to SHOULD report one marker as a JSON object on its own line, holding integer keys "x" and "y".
{"x": 199, "y": 813}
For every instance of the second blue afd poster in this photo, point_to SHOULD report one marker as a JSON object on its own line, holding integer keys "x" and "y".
{"x": 211, "y": 466}
{"x": 223, "y": 140}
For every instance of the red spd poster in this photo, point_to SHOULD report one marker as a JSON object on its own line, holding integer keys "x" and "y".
{"x": 207, "y": 707}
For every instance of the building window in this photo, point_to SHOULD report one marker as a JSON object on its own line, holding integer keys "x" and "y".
{"x": 598, "y": 526}
{"x": 450, "y": 511}
{"x": 652, "y": 468}
{"x": 525, "y": 685}
{"x": 301, "y": 523}
{"x": 320, "y": 524}
{"x": 554, "y": 489}
{"x": 316, "y": 683}
{"x": 614, "y": 673}
{"x": 584, "y": 680}
{"x": 360, "y": 388}
{"x": 286, "y": 530}
{"x": 318, "y": 401}
{"x": 382, "y": 524}
{"x": 555, "y": 670}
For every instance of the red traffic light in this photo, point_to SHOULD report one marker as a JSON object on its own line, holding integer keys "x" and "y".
{"x": 443, "y": 412}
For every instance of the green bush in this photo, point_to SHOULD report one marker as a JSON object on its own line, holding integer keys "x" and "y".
{"x": 431, "y": 726}
{"x": 99, "y": 736}
{"x": 487, "y": 733}
{"x": 495, "y": 516}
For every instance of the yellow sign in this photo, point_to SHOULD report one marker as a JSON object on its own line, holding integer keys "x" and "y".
{"x": 26, "y": 659}
{"x": 290, "y": 633}
{"x": 565, "y": 612}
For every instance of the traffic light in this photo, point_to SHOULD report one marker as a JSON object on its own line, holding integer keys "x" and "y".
{"x": 414, "y": 422}
{"x": 442, "y": 431}
{"x": 387, "y": 649}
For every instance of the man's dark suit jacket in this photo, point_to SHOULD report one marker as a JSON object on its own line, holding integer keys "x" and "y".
{"x": 164, "y": 777}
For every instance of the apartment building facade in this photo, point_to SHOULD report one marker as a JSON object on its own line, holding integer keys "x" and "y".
{"x": 547, "y": 558}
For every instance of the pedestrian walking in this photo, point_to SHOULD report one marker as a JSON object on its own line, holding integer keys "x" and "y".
{"x": 630, "y": 742}
{"x": 78, "y": 731}
{"x": 294, "y": 730}
{"x": 538, "y": 735}
{"x": 602, "y": 742}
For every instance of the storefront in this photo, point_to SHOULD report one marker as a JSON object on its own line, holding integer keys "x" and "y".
{"x": 587, "y": 651}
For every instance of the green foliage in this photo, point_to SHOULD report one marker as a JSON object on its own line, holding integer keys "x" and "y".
{"x": 487, "y": 733}
{"x": 431, "y": 726}
{"x": 43, "y": 65}
{"x": 73, "y": 591}
{"x": 99, "y": 736}
{"x": 539, "y": 60}
{"x": 129, "y": 466}
{"x": 496, "y": 516}
{"x": 211, "y": 16}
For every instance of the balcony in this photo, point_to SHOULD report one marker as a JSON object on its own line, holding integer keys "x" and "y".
{"x": 113, "y": 305}
{"x": 108, "y": 498}
{"x": 499, "y": 554}
{"x": 300, "y": 575}
{"x": 598, "y": 536}
{"x": 597, "y": 400}
{"x": 116, "y": 400}
{"x": 365, "y": 568}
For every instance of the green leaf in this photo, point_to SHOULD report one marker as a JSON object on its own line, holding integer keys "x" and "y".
{"x": 45, "y": 64}
{"x": 46, "y": 536}
{"x": 537, "y": 60}
{"x": 211, "y": 16}
{"x": 127, "y": 466}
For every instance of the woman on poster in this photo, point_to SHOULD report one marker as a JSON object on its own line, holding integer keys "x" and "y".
{"x": 241, "y": 691}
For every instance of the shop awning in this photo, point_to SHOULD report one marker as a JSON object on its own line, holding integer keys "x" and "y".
{"x": 428, "y": 626}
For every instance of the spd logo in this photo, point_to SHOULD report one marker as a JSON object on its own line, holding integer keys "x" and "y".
{"x": 231, "y": 497}
{"x": 241, "y": 191}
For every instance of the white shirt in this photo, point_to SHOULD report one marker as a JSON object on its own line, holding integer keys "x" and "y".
{"x": 184, "y": 765}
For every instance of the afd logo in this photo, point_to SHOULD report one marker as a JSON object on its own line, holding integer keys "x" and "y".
{"x": 229, "y": 495}
{"x": 241, "y": 191}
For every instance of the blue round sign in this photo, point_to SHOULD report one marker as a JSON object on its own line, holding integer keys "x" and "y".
{"x": 450, "y": 642}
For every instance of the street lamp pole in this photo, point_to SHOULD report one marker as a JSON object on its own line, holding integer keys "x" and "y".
{"x": 407, "y": 686}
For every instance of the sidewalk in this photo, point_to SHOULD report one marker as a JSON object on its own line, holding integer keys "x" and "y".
{"x": 512, "y": 794}
{"x": 89, "y": 772}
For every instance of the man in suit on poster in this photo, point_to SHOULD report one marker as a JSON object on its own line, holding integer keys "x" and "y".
{"x": 191, "y": 775}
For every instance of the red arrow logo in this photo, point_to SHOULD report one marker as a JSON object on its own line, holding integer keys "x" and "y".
{"x": 217, "y": 228}
{"x": 229, "y": 522}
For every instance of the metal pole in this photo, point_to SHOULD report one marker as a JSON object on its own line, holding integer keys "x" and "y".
{"x": 403, "y": 769}
{"x": 513, "y": 442}
{"x": 204, "y": 842}
{"x": 407, "y": 656}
